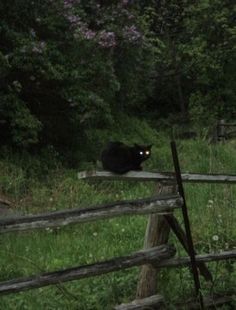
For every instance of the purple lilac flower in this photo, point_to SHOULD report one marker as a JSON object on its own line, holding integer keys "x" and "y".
{"x": 89, "y": 34}
{"x": 132, "y": 34}
{"x": 68, "y": 4}
{"x": 125, "y": 2}
{"x": 68, "y": 13}
{"x": 73, "y": 19}
{"x": 107, "y": 39}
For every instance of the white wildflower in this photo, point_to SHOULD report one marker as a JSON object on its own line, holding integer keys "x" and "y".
{"x": 210, "y": 203}
{"x": 215, "y": 238}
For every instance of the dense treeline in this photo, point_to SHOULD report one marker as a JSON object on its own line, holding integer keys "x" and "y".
{"x": 70, "y": 69}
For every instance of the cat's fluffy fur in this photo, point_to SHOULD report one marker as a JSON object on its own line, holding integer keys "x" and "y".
{"x": 121, "y": 158}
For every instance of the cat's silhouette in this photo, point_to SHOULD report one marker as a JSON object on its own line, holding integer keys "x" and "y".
{"x": 120, "y": 158}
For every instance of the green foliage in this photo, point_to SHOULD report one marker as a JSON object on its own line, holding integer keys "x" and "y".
{"x": 197, "y": 56}
{"x": 63, "y": 72}
{"x": 212, "y": 53}
{"x": 24, "y": 126}
{"x": 70, "y": 67}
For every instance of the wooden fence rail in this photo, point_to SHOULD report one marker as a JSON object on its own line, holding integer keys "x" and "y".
{"x": 159, "y": 204}
{"x": 136, "y": 259}
{"x": 158, "y": 177}
{"x": 152, "y": 302}
{"x": 158, "y": 302}
{"x": 157, "y": 256}
{"x": 200, "y": 258}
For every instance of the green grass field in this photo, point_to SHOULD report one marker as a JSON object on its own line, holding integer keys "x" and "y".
{"x": 212, "y": 214}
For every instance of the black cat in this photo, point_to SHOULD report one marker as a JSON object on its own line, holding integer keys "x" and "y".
{"x": 121, "y": 158}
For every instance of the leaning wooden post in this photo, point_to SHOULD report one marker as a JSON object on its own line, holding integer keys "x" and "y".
{"x": 157, "y": 233}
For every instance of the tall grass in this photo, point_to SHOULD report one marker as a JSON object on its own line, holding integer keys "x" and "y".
{"x": 212, "y": 214}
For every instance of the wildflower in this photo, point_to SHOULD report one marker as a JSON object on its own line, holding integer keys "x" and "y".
{"x": 95, "y": 234}
{"x": 123, "y": 230}
{"x": 215, "y": 238}
{"x": 210, "y": 203}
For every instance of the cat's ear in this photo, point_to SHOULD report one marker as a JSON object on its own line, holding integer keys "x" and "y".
{"x": 149, "y": 146}
{"x": 136, "y": 145}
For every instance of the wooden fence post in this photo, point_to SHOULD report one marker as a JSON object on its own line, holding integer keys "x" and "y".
{"x": 221, "y": 133}
{"x": 157, "y": 233}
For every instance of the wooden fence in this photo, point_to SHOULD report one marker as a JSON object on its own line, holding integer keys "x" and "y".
{"x": 156, "y": 253}
{"x": 225, "y": 130}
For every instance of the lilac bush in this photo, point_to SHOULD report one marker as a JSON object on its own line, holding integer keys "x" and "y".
{"x": 69, "y": 64}
{"x": 107, "y": 39}
{"x": 131, "y": 34}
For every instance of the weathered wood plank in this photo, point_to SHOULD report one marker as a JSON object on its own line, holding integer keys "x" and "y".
{"x": 157, "y": 256}
{"x": 156, "y": 176}
{"x": 156, "y": 301}
{"x": 201, "y": 258}
{"x": 158, "y": 204}
{"x": 212, "y": 302}
{"x": 151, "y": 302}
{"x": 136, "y": 259}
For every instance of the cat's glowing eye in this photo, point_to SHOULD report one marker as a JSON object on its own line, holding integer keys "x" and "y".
{"x": 147, "y": 152}
{"x": 141, "y": 152}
